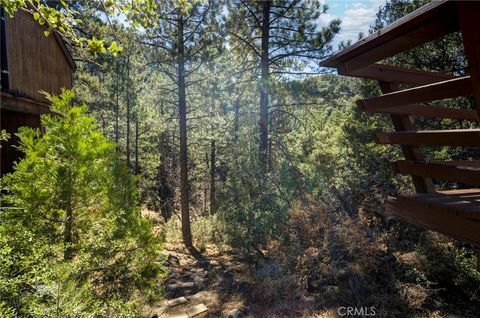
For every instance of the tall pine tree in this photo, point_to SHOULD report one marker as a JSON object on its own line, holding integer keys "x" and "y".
{"x": 185, "y": 31}
{"x": 282, "y": 37}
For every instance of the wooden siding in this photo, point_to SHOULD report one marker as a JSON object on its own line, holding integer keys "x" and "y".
{"x": 35, "y": 62}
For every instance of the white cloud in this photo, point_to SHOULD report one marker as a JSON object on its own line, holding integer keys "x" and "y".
{"x": 325, "y": 18}
{"x": 357, "y": 18}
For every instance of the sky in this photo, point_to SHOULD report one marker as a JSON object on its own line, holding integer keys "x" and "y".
{"x": 356, "y": 16}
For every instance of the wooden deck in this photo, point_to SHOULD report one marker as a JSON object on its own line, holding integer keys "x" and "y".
{"x": 452, "y": 212}
{"x": 455, "y": 212}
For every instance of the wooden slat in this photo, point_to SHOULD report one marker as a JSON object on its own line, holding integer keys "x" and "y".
{"x": 403, "y": 123}
{"x": 441, "y": 90}
{"x": 457, "y": 217}
{"x": 460, "y": 163}
{"x": 425, "y": 24}
{"x": 463, "y": 202}
{"x": 468, "y": 13}
{"x": 462, "y": 173}
{"x": 388, "y": 73}
{"x": 23, "y": 104}
{"x": 429, "y": 111}
{"x": 453, "y": 137}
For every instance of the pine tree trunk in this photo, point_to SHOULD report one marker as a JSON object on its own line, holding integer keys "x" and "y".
{"x": 212, "y": 152}
{"x": 265, "y": 73}
{"x": 137, "y": 167}
{"x": 117, "y": 105}
{"x": 212, "y": 177}
{"x": 236, "y": 128}
{"x": 68, "y": 235}
{"x": 128, "y": 110}
{"x": 205, "y": 185}
{"x": 236, "y": 120}
{"x": 182, "y": 112}
{"x": 65, "y": 202}
{"x": 165, "y": 192}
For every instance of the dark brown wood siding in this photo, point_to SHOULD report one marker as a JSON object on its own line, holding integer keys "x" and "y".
{"x": 35, "y": 62}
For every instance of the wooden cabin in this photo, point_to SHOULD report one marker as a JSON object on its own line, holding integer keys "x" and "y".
{"x": 30, "y": 63}
{"x": 453, "y": 212}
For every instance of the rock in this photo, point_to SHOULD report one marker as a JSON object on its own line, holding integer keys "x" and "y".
{"x": 163, "y": 303}
{"x": 172, "y": 260}
{"x": 197, "y": 296}
{"x": 199, "y": 282}
{"x": 196, "y": 269}
{"x": 176, "y": 301}
{"x": 196, "y": 310}
{"x": 173, "y": 287}
{"x": 235, "y": 313}
{"x": 178, "y": 315}
{"x": 201, "y": 262}
{"x": 186, "y": 285}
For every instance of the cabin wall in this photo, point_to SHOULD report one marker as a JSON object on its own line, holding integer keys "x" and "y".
{"x": 35, "y": 62}
{"x": 11, "y": 121}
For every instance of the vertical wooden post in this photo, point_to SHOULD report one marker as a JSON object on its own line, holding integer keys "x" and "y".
{"x": 414, "y": 153}
{"x": 468, "y": 13}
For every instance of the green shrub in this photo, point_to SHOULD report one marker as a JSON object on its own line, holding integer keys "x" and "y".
{"x": 73, "y": 242}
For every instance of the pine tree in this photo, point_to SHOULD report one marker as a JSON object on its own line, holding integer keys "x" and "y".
{"x": 183, "y": 35}
{"x": 282, "y": 37}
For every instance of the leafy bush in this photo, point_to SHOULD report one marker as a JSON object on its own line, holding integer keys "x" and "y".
{"x": 73, "y": 241}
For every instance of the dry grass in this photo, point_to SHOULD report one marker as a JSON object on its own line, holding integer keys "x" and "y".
{"x": 333, "y": 260}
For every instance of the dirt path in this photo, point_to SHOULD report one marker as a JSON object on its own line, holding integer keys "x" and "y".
{"x": 211, "y": 286}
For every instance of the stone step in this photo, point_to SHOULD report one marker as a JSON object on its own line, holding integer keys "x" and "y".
{"x": 196, "y": 310}
{"x": 180, "y": 285}
{"x": 197, "y": 296}
{"x": 177, "y": 315}
{"x": 189, "y": 312}
{"x": 176, "y": 301}
{"x": 199, "y": 281}
{"x": 235, "y": 313}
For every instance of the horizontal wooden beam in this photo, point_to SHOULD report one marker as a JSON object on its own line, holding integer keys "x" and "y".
{"x": 23, "y": 104}
{"x": 453, "y": 137}
{"x": 428, "y": 111}
{"x": 441, "y": 90}
{"x": 460, "y": 172}
{"x": 460, "y": 163}
{"x": 426, "y": 24}
{"x": 449, "y": 217}
{"x": 464, "y": 202}
{"x": 423, "y": 25}
{"x": 395, "y": 74}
